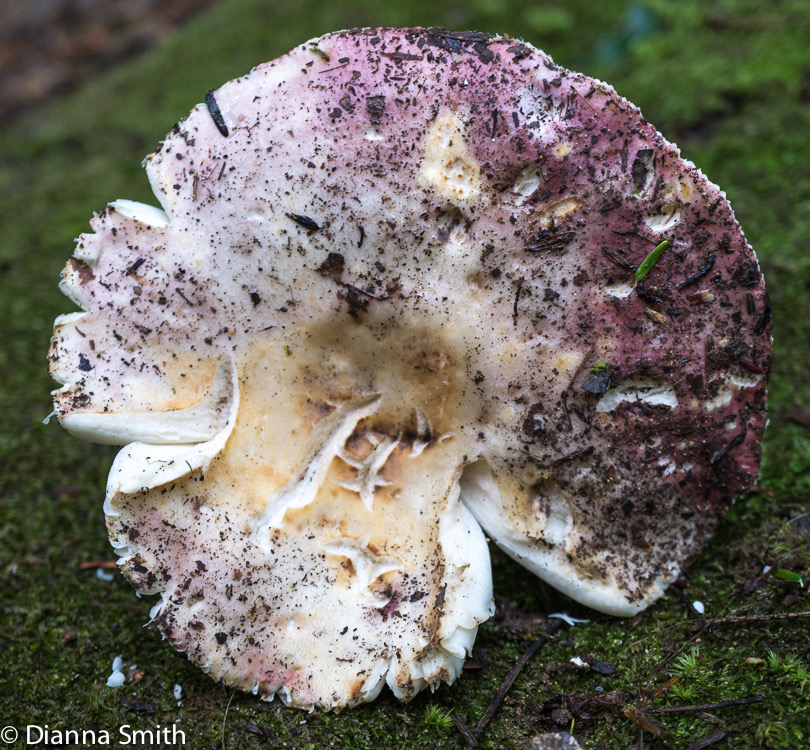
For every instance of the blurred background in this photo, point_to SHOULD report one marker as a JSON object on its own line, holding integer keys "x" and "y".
{"x": 47, "y": 47}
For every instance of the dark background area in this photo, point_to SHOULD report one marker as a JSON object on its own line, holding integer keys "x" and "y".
{"x": 47, "y": 47}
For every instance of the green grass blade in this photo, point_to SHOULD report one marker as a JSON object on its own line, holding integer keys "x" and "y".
{"x": 650, "y": 261}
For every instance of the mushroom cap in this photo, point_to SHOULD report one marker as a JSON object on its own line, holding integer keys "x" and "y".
{"x": 398, "y": 281}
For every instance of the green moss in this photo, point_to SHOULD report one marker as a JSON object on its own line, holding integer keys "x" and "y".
{"x": 437, "y": 718}
{"x": 729, "y": 81}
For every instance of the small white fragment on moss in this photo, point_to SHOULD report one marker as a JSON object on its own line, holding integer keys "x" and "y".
{"x": 567, "y": 619}
{"x": 116, "y": 679}
{"x": 554, "y": 741}
{"x": 699, "y": 607}
{"x": 103, "y": 575}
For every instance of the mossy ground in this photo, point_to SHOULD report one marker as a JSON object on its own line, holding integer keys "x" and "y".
{"x": 729, "y": 80}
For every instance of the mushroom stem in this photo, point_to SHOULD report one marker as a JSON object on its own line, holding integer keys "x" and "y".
{"x": 326, "y": 441}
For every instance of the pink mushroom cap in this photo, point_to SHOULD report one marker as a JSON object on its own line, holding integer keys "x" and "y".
{"x": 403, "y": 285}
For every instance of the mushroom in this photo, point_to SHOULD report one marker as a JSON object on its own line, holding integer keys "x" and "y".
{"x": 403, "y": 283}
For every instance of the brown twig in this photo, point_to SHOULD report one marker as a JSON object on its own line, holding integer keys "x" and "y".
{"x": 658, "y": 632}
{"x": 225, "y": 718}
{"x": 706, "y": 741}
{"x": 723, "y": 621}
{"x": 581, "y": 367}
{"x": 462, "y": 727}
{"x": 93, "y": 564}
{"x": 686, "y": 602}
{"x": 757, "y": 618}
{"x": 509, "y": 681}
{"x": 707, "y": 706}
